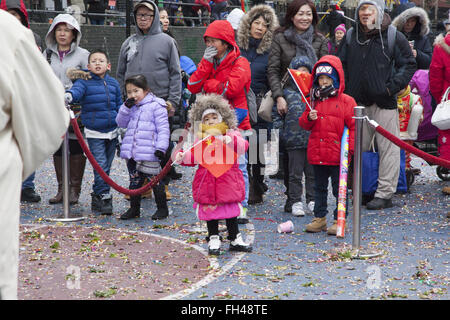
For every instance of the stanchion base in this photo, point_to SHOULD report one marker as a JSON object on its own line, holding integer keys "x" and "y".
{"x": 365, "y": 254}
{"x": 71, "y": 218}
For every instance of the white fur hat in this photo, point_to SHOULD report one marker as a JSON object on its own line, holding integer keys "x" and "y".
{"x": 235, "y": 17}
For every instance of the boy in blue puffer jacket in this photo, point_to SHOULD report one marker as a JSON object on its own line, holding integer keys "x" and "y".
{"x": 100, "y": 98}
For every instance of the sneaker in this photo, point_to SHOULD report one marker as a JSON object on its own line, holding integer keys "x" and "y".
{"x": 242, "y": 219}
{"x": 29, "y": 195}
{"x": 310, "y": 206}
{"x": 297, "y": 209}
{"x": 214, "y": 245}
{"x": 378, "y": 203}
{"x": 238, "y": 244}
{"x": 317, "y": 225}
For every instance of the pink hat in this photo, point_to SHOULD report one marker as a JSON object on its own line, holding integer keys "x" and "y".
{"x": 341, "y": 27}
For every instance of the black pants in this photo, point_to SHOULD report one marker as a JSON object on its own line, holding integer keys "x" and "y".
{"x": 321, "y": 175}
{"x": 232, "y": 227}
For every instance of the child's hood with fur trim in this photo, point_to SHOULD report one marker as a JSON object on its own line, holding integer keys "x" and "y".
{"x": 212, "y": 101}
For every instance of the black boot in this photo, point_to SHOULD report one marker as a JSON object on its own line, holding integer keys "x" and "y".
{"x": 162, "y": 211}
{"x": 135, "y": 210}
{"x": 29, "y": 195}
{"x": 175, "y": 175}
{"x": 102, "y": 203}
{"x": 96, "y": 202}
{"x": 255, "y": 192}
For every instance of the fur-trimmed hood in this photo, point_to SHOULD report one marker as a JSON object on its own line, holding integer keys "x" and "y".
{"x": 212, "y": 101}
{"x": 422, "y": 27}
{"x": 243, "y": 36}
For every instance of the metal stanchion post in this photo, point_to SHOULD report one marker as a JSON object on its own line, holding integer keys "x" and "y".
{"x": 67, "y": 215}
{"x": 357, "y": 160}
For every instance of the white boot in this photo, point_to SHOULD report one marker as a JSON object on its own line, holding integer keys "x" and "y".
{"x": 214, "y": 245}
{"x": 238, "y": 244}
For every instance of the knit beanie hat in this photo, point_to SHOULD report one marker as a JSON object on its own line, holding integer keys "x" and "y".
{"x": 341, "y": 27}
{"x": 234, "y": 18}
{"x": 211, "y": 110}
{"x": 328, "y": 70}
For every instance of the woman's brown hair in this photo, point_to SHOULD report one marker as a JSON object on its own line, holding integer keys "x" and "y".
{"x": 292, "y": 10}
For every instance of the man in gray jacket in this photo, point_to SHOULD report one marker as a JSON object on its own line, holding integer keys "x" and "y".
{"x": 152, "y": 53}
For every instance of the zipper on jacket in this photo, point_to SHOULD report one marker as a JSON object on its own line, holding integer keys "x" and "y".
{"x": 107, "y": 94}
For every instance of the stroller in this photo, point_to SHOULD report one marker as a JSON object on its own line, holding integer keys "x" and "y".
{"x": 428, "y": 135}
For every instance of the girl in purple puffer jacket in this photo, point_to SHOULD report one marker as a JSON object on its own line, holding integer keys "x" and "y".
{"x": 145, "y": 142}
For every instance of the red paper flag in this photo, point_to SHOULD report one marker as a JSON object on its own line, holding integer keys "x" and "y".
{"x": 303, "y": 80}
{"x": 214, "y": 155}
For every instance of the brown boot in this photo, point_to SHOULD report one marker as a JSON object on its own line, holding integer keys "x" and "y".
{"x": 168, "y": 194}
{"x": 148, "y": 194}
{"x": 77, "y": 165}
{"x": 446, "y": 190}
{"x": 332, "y": 231}
{"x": 57, "y": 162}
{"x": 317, "y": 225}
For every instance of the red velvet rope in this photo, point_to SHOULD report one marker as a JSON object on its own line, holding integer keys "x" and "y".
{"x": 108, "y": 180}
{"x": 428, "y": 157}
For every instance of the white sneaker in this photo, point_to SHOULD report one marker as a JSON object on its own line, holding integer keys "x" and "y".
{"x": 297, "y": 209}
{"x": 214, "y": 245}
{"x": 310, "y": 206}
{"x": 238, "y": 244}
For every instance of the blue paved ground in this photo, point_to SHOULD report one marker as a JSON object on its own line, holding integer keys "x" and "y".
{"x": 413, "y": 237}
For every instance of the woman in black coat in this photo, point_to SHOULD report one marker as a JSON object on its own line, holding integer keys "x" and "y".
{"x": 414, "y": 23}
{"x": 254, "y": 38}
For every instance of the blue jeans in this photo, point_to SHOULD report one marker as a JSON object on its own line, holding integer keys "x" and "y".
{"x": 29, "y": 182}
{"x": 321, "y": 175}
{"x": 243, "y": 160}
{"x": 103, "y": 151}
{"x": 97, "y": 21}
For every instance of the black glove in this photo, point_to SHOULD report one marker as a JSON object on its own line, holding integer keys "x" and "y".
{"x": 129, "y": 102}
{"x": 160, "y": 155}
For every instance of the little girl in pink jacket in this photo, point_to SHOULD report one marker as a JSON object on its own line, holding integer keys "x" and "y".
{"x": 216, "y": 197}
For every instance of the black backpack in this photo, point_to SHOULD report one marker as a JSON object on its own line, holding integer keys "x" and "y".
{"x": 392, "y": 34}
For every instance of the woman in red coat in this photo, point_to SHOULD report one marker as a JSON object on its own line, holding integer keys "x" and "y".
{"x": 333, "y": 110}
{"x": 440, "y": 68}
{"x": 222, "y": 70}
{"x": 439, "y": 82}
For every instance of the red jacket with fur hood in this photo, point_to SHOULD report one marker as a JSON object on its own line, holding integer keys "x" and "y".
{"x": 230, "y": 79}
{"x": 324, "y": 146}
